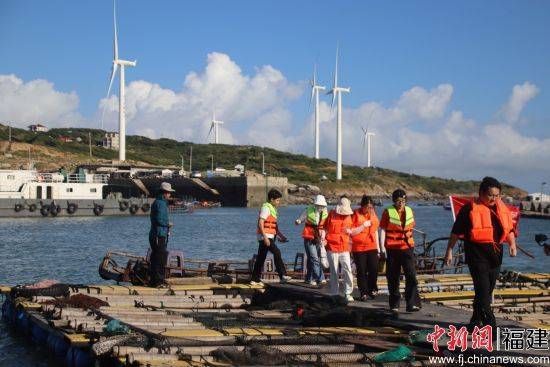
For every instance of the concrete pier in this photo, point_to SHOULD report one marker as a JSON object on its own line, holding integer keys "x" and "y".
{"x": 243, "y": 191}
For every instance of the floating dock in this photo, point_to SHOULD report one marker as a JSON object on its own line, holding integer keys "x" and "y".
{"x": 197, "y": 322}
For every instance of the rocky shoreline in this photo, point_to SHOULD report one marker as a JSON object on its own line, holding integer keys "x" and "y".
{"x": 303, "y": 195}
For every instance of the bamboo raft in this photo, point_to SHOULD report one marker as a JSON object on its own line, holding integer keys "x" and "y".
{"x": 199, "y": 322}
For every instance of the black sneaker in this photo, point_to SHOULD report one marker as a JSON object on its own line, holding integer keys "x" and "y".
{"x": 413, "y": 309}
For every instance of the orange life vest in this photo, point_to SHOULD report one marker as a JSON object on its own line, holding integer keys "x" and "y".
{"x": 337, "y": 238}
{"x": 311, "y": 229}
{"x": 399, "y": 236}
{"x": 366, "y": 240}
{"x": 270, "y": 223}
{"x": 482, "y": 226}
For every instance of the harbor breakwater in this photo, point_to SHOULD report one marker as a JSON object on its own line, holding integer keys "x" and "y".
{"x": 242, "y": 191}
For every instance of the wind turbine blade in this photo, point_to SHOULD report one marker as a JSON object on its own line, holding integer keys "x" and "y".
{"x": 116, "y": 36}
{"x": 311, "y": 98}
{"x": 113, "y": 74}
{"x": 210, "y": 131}
{"x": 368, "y": 121}
{"x": 336, "y": 68}
{"x": 364, "y": 143}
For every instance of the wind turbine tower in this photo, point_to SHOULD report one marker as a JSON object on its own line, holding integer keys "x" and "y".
{"x": 214, "y": 126}
{"x": 122, "y": 92}
{"x": 367, "y": 139}
{"x": 315, "y": 89}
{"x": 336, "y": 92}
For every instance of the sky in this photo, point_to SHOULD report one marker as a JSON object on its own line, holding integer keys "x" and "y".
{"x": 452, "y": 89}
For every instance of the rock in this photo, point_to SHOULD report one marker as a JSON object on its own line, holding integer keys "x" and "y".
{"x": 315, "y": 190}
{"x": 292, "y": 189}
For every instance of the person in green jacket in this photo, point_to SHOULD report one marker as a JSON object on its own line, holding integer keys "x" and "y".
{"x": 158, "y": 236}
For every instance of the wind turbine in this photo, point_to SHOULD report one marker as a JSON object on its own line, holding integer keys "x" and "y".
{"x": 336, "y": 92}
{"x": 214, "y": 125}
{"x": 315, "y": 94}
{"x": 122, "y": 91}
{"x": 366, "y": 139}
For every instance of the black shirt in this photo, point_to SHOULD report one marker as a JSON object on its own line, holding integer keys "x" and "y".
{"x": 478, "y": 252}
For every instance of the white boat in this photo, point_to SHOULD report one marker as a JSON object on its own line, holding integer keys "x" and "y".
{"x": 27, "y": 193}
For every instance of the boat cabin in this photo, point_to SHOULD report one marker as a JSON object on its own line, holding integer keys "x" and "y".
{"x": 30, "y": 184}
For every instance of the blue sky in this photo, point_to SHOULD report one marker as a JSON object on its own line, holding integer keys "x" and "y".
{"x": 482, "y": 49}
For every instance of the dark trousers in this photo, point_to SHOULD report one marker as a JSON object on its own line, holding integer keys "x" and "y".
{"x": 485, "y": 277}
{"x": 366, "y": 264}
{"x": 260, "y": 258}
{"x": 398, "y": 259}
{"x": 157, "y": 259}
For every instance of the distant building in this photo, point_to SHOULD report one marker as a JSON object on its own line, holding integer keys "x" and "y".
{"x": 110, "y": 141}
{"x": 65, "y": 139}
{"x": 38, "y": 128}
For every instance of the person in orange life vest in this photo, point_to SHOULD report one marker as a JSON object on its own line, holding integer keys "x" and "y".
{"x": 313, "y": 234}
{"x": 268, "y": 232}
{"x": 396, "y": 234}
{"x": 485, "y": 224}
{"x": 366, "y": 248}
{"x": 339, "y": 228}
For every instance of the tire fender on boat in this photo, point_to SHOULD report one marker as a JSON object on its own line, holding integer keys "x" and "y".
{"x": 145, "y": 207}
{"x": 18, "y": 207}
{"x": 133, "y": 209}
{"x": 32, "y": 207}
{"x": 123, "y": 205}
{"x": 54, "y": 210}
{"x": 45, "y": 210}
{"x": 72, "y": 208}
{"x": 98, "y": 209}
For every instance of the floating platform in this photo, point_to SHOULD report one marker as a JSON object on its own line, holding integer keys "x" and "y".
{"x": 198, "y": 322}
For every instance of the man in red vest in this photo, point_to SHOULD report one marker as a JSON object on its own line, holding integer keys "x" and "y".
{"x": 485, "y": 224}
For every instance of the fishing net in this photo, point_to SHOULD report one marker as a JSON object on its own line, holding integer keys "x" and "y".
{"x": 55, "y": 290}
{"x": 77, "y": 301}
{"x": 116, "y": 327}
{"x": 401, "y": 353}
{"x": 255, "y": 355}
{"x": 106, "y": 344}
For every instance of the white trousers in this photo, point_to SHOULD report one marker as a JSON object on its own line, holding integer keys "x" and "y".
{"x": 340, "y": 261}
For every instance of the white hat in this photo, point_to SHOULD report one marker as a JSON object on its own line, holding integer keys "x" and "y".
{"x": 344, "y": 207}
{"x": 320, "y": 200}
{"x": 165, "y": 186}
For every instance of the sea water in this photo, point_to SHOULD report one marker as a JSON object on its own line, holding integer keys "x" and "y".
{"x": 70, "y": 249}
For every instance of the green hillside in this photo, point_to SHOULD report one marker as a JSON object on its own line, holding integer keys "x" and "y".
{"x": 299, "y": 169}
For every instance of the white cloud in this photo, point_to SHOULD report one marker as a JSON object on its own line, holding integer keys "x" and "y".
{"x": 521, "y": 94}
{"x": 239, "y": 100}
{"x": 36, "y": 101}
{"x": 455, "y": 146}
{"x": 416, "y": 133}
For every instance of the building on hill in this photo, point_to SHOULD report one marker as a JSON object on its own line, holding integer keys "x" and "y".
{"x": 65, "y": 139}
{"x": 38, "y": 128}
{"x": 110, "y": 141}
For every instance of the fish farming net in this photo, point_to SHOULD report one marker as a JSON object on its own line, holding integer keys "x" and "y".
{"x": 77, "y": 301}
{"x": 256, "y": 355}
{"x": 55, "y": 290}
